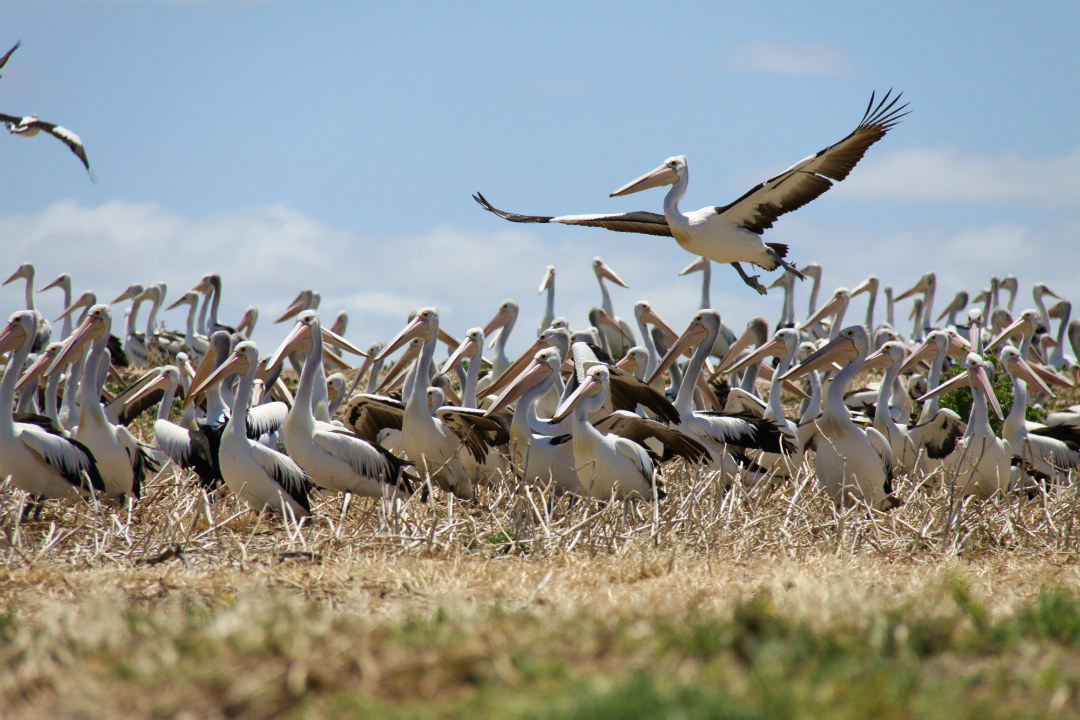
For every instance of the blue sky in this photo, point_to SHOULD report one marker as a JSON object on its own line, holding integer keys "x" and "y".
{"x": 335, "y": 145}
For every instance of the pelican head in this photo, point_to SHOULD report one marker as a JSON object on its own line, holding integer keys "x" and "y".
{"x": 604, "y": 272}
{"x": 25, "y": 271}
{"x": 673, "y": 169}
{"x": 549, "y": 279}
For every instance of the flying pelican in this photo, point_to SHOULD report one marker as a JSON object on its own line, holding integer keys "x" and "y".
{"x": 122, "y": 459}
{"x": 30, "y": 126}
{"x": 260, "y": 476}
{"x": 333, "y": 457}
{"x": 38, "y": 458}
{"x": 852, "y": 463}
{"x": 9, "y": 53}
{"x": 732, "y": 233}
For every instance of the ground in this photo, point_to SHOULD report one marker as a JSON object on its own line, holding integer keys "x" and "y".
{"x": 759, "y": 603}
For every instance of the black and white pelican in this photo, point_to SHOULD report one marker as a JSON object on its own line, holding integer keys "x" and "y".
{"x": 426, "y": 441}
{"x": 852, "y": 463}
{"x": 937, "y": 429}
{"x": 37, "y": 457}
{"x": 959, "y": 302}
{"x": 890, "y": 356}
{"x": 606, "y": 463}
{"x": 122, "y": 459}
{"x": 187, "y": 444}
{"x": 538, "y": 456}
{"x": 979, "y": 465}
{"x": 333, "y": 457}
{"x": 31, "y": 125}
{"x": 1047, "y": 455}
{"x": 724, "y": 435}
{"x": 732, "y": 233}
{"x": 210, "y": 286}
{"x": 869, "y": 286}
{"x": 262, "y": 477}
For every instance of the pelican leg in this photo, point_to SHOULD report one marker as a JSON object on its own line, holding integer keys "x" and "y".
{"x": 33, "y": 507}
{"x": 751, "y": 280}
{"x": 790, "y": 268}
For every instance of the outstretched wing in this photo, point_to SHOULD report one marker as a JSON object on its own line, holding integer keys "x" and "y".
{"x": 634, "y": 427}
{"x": 643, "y": 222}
{"x": 760, "y": 206}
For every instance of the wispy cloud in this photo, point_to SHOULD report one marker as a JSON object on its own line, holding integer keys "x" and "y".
{"x": 777, "y": 58}
{"x": 950, "y": 174}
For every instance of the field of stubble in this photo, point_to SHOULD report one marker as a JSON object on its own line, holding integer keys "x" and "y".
{"x": 749, "y": 603}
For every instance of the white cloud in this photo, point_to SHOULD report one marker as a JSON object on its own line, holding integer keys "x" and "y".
{"x": 266, "y": 255}
{"x": 772, "y": 57}
{"x": 950, "y": 174}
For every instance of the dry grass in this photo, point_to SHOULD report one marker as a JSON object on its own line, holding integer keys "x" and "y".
{"x": 524, "y": 603}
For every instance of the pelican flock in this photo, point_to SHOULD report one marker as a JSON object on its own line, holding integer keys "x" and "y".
{"x": 596, "y": 408}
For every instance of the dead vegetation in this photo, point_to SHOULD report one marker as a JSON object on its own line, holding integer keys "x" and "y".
{"x": 523, "y": 602}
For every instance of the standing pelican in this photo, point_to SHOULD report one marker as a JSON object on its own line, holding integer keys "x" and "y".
{"x": 980, "y": 463}
{"x": 732, "y": 233}
{"x": 122, "y": 459}
{"x": 547, "y": 284}
{"x": 426, "y": 441}
{"x": 852, "y": 463}
{"x": 38, "y": 459}
{"x": 537, "y": 456}
{"x": 62, "y": 281}
{"x": 606, "y": 463}
{"x": 260, "y": 476}
{"x": 618, "y": 343}
{"x": 332, "y": 456}
{"x": 724, "y": 435}
{"x": 927, "y": 285}
{"x": 187, "y": 444}
{"x": 725, "y": 337}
